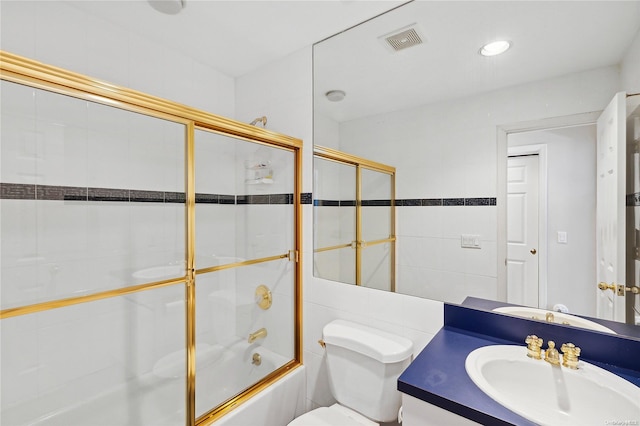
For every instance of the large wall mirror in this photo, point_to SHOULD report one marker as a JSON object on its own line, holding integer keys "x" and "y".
{"x": 460, "y": 128}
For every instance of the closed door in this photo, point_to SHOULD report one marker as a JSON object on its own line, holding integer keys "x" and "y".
{"x": 610, "y": 216}
{"x": 522, "y": 230}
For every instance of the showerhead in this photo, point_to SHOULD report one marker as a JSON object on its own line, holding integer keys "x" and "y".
{"x": 262, "y": 120}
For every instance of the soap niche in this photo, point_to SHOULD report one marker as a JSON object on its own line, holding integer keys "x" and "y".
{"x": 258, "y": 172}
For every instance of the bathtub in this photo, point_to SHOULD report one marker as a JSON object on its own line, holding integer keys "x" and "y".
{"x": 157, "y": 397}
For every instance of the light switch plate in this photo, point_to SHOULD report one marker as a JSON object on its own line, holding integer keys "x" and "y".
{"x": 562, "y": 237}
{"x": 470, "y": 241}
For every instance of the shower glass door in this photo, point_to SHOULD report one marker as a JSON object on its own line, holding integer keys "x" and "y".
{"x": 149, "y": 263}
{"x": 245, "y": 274}
{"x": 334, "y": 220}
{"x": 354, "y": 220}
{"x": 92, "y": 262}
{"x": 377, "y": 201}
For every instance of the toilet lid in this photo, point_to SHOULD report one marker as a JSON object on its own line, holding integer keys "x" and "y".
{"x": 332, "y": 416}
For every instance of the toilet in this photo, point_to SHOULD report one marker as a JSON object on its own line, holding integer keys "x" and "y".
{"x": 363, "y": 364}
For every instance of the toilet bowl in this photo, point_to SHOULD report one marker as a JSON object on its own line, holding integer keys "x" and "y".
{"x": 363, "y": 365}
{"x": 336, "y": 415}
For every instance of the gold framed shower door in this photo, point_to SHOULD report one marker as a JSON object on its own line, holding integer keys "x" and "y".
{"x": 359, "y": 244}
{"x": 21, "y": 70}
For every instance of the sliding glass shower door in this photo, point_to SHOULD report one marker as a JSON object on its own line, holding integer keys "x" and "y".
{"x": 354, "y": 220}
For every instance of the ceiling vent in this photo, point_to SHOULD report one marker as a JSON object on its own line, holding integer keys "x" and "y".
{"x": 403, "y": 38}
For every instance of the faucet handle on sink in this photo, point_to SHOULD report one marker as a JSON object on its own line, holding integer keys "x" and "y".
{"x": 534, "y": 346}
{"x": 570, "y": 354}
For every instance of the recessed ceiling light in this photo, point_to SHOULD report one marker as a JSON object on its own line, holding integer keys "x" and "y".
{"x": 170, "y": 7}
{"x": 495, "y": 48}
{"x": 335, "y": 95}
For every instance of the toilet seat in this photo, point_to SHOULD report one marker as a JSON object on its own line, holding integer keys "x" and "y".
{"x": 332, "y": 416}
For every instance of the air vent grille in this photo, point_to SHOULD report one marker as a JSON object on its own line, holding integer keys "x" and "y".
{"x": 404, "y": 39}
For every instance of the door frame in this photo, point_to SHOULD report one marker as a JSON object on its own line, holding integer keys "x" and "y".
{"x": 503, "y": 132}
{"x": 541, "y": 151}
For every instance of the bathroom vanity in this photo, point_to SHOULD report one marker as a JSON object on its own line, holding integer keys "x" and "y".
{"x": 437, "y": 389}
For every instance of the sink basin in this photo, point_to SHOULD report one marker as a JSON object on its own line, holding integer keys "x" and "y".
{"x": 552, "y": 395}
{"x": 559, "y": 317}
{"x": 160, "y": 272}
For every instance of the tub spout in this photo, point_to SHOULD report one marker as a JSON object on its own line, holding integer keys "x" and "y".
{"x": 260, "y": 334}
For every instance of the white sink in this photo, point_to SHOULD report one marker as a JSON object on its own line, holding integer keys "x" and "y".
{"x": 559, "y": 317}
{"x": 552, "y": 395}
{"x": 160, "y": 272}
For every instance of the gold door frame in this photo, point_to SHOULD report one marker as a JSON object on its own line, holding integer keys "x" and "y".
{"x": 359, "y": 244}
{"x": 17, "y": 69}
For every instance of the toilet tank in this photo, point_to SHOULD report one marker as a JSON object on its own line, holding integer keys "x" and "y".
{"x": 364, "y": 365}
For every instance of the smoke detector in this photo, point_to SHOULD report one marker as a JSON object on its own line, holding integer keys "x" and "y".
{"x": 402, "y": 38}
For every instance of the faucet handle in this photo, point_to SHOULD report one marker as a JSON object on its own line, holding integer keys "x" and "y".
{"x": 534, "y": 346}
{"x": 570, "y": 354}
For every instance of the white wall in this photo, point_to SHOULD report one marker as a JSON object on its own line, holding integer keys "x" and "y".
{"x": 449, "y": 150}
{"x": 291, "y": 112}
{"x": 571, "y": 207}
{"x": 60, "y": 34}
{"x": 630, "y": 68}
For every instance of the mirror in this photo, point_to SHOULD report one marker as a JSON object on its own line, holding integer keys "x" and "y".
{"x": 420, "y": 97}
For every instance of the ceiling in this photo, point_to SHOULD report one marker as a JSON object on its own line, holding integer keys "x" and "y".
{"x": 549, "y": 39}
{"x": 237, "y": 37}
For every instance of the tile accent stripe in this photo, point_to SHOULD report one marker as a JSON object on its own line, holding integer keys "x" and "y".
{"x": 19, "y": 191}
{"x": 633, "y": 199}
{"x": 412, "y": 202}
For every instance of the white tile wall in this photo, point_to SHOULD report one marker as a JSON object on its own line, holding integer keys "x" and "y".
{"x": 451, "y": 153}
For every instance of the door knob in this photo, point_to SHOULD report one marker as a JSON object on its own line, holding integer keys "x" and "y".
{"x": 605, "y": 286}
{"x": 533, "y": 251}
{"x": 633, "y": 289}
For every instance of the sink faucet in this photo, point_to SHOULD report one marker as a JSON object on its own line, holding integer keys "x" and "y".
{"x": 260, "y": 334}
{"x": 551, "y": 355}
{"x": 570, "y": 353}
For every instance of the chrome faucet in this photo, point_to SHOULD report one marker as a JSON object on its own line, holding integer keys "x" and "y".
{"x": 260, "y": 334}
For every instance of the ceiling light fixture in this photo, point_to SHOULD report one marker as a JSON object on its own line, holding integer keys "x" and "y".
{"x": 495, "y": 48}
{"x": 170, "y": 7}
{"x": 335, "y": 95}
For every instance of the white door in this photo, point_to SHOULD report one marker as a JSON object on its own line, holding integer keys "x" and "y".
{"x": 610, "y": 215}
{"x": 522, "y": 230}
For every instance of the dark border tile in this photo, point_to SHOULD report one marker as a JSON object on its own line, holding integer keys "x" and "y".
{"x": 107, "y": 194}
{"x": 206, "y": 198}
{"x": 227, "y": 199}
{"x": 408, "y": 202}
{"x": 376, "y": 203}
{"x": 280, "y": 199}
{"x": 432, "y": 202}
{"x": 453, "y": 201}
{"x": 306, "y": 198}
{"x": 326, "y": 203}
{"x": 175, "y": 197}
{"x": 347, "y": 203}
{"x": 146, "y": 196}
{"x": 17, "y": 191}
{"x": 479, "y": 201}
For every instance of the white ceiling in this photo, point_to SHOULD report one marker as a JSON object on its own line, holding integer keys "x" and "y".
{"x": 237, "y": 37}
{"x": 549, "y": 39}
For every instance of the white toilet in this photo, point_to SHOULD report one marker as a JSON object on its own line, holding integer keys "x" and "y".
{"x": 363, "y": 365}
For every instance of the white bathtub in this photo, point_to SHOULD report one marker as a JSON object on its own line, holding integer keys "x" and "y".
{"x": 157, "y": 398}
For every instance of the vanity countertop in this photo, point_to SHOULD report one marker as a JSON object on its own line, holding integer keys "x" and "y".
{"x": 438, "y": 376}
{"x": 619, "y": 327}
